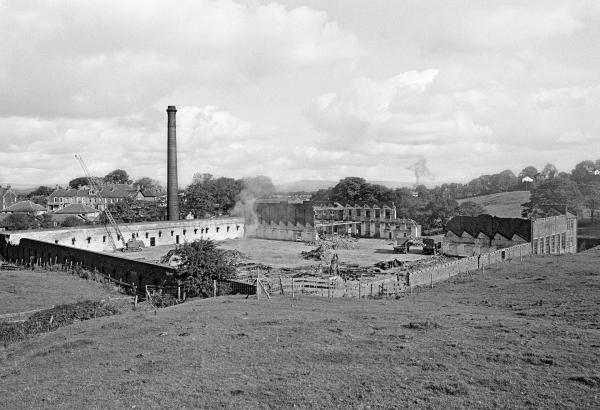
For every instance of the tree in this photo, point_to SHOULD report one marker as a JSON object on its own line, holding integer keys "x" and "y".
{"x": 118, "y": 176}
{"x": 552, "y": 196}
{"x": 42, "y": 190}
{"x": 71, "y": 221}
{"x": 211, "y": 195}
{"x": 440, "y": 211}
{"x": 197, "y": 200}
{"x": 349, "y": 189}
{"x": 78, "y": 182}
{"x": 550, "y": 171}
{"x": 20, "y": 222}
{"x": 470, "y": 208}
{"x": 130, "y": 210}
{"x": 199, "y": 264}
{"x": 583, "y": 172}
{"x": 529, "y": 171}
{"x": 503, "y": 181}
{"x": 591, "y": 195}
{"x": 149, "y": 184}
{"x": 46, "y": 221}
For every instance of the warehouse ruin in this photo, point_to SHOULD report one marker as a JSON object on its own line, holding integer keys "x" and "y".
{"x": 305, "y": 221}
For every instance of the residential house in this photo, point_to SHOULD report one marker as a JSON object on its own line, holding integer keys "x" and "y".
{"x": 25, "y": 207}
{"x": 61, "y": 198}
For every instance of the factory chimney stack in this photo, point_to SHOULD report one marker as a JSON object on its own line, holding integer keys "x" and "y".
{"x": 172, "y": 198}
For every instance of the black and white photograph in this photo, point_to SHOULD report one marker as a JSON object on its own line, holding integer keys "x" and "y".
{"x": 312, "y": 204}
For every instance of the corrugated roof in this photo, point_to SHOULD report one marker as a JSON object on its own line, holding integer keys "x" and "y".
{"x": 490, "y": 226}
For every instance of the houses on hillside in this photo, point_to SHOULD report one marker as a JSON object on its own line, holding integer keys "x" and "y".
{"x": 62, "y": 198}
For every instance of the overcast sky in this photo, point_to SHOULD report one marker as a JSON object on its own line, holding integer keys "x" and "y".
{"x": 297, "y": 89}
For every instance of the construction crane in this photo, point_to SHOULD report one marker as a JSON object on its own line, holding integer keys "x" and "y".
{"x": 96, "y": 187}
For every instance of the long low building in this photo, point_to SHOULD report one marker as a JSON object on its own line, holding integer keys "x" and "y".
{"x": 150, "y": 233}
{"x": 474, "y": 235}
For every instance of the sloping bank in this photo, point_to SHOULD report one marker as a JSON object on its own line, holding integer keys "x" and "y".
{"x": 51, "y": 319}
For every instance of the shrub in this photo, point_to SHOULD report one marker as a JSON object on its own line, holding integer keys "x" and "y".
{"x": 200, "y": 262}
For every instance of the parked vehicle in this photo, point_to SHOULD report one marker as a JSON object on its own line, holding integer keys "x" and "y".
{"x": 432, "y": 245}
{"x": 403, "y": 245}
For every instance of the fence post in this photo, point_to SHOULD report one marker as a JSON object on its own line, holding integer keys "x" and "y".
{"x": 359, "y": 290}
{"x": 214, "y": 288}
{"x": 178, "y": 292}
{"x": 258, "y": 285}
{"x": 281, "y": 285}
{"x": 292, "y": 287}
{"x": 521, "y": 253}
{"x": 431, "y": 278}
{"x": 371, "y": 290}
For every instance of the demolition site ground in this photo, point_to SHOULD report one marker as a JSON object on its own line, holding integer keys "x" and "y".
{"x": 287, "y": 254}
{"x": 521, "y": 335}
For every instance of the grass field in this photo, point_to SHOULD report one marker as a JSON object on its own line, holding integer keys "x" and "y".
{"x": 25, "y": 290}
{"x": 503, "y": 204}
{"x": 524, "y": 335}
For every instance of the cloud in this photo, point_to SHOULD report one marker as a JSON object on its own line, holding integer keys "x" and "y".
{"x": 82, "y": 59}
{"x": 402, "y": 111}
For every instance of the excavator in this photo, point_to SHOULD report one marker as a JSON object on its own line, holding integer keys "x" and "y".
{"x": 132, "y": 245}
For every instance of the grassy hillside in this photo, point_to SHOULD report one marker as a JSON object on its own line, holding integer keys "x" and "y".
{"x": 503, "y": 204}
{"x": 25, "y": 290}
{"x": 524, "y": 335}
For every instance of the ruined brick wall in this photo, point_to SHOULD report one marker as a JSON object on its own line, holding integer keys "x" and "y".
{"x": 284, "y": 213}
{"x": 285, "y": 221}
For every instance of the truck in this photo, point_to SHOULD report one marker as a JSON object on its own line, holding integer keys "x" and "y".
{"x": 432, "y": 245}
{"x": 403, "y": 245}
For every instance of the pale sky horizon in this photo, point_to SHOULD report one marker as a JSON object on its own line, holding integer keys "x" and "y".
{"x": 297, "y": 89}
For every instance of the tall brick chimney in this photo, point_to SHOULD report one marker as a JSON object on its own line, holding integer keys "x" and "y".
{"x": 172, "y": 198}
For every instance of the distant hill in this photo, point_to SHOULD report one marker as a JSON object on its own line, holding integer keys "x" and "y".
{"x": 503, "y": 204}
{"x": 307, "y": 185}
{"x": 311, "y": 185}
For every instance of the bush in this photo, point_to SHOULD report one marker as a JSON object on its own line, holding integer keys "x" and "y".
{"x": 201, "y": 262}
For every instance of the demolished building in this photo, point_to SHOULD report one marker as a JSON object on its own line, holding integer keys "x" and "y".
{"x": 305, "y": 221}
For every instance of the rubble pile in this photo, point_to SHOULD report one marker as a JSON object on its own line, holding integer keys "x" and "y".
{"x": 326, "y": 244}
{"x": 337, "y": 241}
{"x": 323, "y": 252}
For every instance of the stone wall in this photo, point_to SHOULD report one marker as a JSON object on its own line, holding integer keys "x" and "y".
{"x": 150, "y": 233}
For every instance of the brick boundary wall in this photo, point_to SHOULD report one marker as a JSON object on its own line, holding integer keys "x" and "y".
{"x": 126, "y": 270}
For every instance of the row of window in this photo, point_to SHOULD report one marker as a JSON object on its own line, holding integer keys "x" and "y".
{"x": 135, "y": 235}
{"x": 355, "y": 212}
{"x": 83, "y": 200}
{"x": 551, "y": 244}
